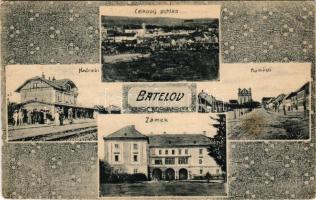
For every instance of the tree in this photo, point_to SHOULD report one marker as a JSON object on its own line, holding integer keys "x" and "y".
{"x": 217, "y": 149}
{"x": 105, "y": 171}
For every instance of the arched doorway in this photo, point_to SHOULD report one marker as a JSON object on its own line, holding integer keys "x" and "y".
{"x": 157, "y": 174}
{"x": 183, "y": 174}
{"x": 169, "y": 174}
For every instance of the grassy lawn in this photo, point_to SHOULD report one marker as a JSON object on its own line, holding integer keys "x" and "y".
{"x": 163, "y": 189}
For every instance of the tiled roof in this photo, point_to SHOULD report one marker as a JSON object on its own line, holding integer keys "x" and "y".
{"x": 162, "y": 140}
{"x": 57, "y": 84}
{"x": 127, "y": 132}
{"x": 176, "y": 140}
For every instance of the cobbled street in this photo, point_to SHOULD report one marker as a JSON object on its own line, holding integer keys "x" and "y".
{"x": 262, "y": 124}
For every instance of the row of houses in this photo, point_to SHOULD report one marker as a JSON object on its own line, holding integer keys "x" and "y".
{"x": 294, "y": 101}
{"x": 208, "y": 103}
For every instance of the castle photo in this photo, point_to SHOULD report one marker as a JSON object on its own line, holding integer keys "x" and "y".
{"x": 149, "y": 158}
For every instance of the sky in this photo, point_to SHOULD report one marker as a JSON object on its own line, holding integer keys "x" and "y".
{"x": 178, "y": 123}
{"x": 85, "y": 82}
{"x": 283, "y": 78}
{"x": 185, "y": 11}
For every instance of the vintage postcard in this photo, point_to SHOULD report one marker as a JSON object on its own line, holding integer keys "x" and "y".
{"x": 158, "y": 99}
{"x": 160, "y": 43}
{"x": 162, "y": 155}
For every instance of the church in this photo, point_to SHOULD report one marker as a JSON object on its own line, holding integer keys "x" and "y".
{"x": 160, "y": 157}
{"x": 244, "y": 96}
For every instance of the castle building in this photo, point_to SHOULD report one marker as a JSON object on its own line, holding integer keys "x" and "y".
{"x": 159, "y": 157}
{"x": 39, "y": 93}
{"x": 244, "y": 95}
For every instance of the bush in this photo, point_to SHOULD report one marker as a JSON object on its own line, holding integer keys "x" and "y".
{"x": 105, "y": 171}
{"x": 126, "y": 178}
{"x": 199, "y": 178}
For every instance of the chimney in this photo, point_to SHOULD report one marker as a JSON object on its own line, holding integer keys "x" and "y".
{"x": 164, "y": 132}
{"x": 43, "y": 75}
{"x": 250, "y": 90}
{"x": 204, "y": 133}
{"x": 53, "y": 79}
{"x": 49, "y": 78}
{"x": 239, "y": 90}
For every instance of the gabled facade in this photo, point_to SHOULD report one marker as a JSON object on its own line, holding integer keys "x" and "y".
{"x": 52, "y": 95}
{"x": 50, "y": 91}
{"x": 244, "y": 95}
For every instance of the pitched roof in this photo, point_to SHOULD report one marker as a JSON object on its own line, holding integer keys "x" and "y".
{"x": 176, "y": 140}
{"x": 57, "y": 84}
{"x": 289, "y": 95}
{"x": 233, "y": 101}
{"x": 304, "y": 87}
{"x": 280, "y": 97}
{"x": 127, "y": 132}
{"x": 266, "y": 98}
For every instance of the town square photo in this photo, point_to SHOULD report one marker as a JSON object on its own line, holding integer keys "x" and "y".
{"x": 267, "y": 101}
{"x": 52, "y": 103}
{"x": 162, "y": 155}
{"x": 160, "y": 43}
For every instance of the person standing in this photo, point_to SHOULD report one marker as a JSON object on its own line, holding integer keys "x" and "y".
{"x": 15, "y": 117}
{"x": 45, "y": 116}
{"x": 70, "y": 113}
{"x": 29, "y": 117}
{"x": 56, "y": 117}
{"x": 21, "y": 117}
{"x": 61, "y": 118}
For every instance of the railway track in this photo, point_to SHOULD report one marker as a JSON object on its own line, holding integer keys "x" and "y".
{"x": 63, "y": 135}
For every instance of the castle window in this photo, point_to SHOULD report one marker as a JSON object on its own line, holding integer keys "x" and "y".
{"x": 186, "y": 151}
{"x": 116, "y": 146}
{"x": 116, "y": 158}
{"x": 217, "y": 171}
{"x": 135, "y": 171}
{"x": 169, "y": 161}
{"x": 135, "y": 158}
{"x": 201, "y": 151}
{"x": 173, "y": 151}
{"x": 135, "y": 146}
{"x": 180, "y": 151}
{"x": 160, "y": 152}
{"x": 201, "y": 171}
{"x": 183, "y": 160}
{"x": 166, "y": 152}
{"x": 158, "y": 162}
{"x": 200, "y": 161}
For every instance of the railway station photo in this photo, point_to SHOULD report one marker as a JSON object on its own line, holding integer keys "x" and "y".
{"x": 47, "y": 106}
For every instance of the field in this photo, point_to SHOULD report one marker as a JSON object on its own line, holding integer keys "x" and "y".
{"x": 165, "y": 66}
{"x": 175, "y": 188}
